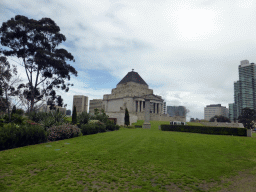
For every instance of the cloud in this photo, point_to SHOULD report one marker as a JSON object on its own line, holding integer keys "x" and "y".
{"x": 187, "y": 51}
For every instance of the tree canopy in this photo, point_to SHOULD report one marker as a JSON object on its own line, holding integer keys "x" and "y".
{"x": 35, "y": 44}
{"x": 220, "y": 118}
{"x": 247, "y": 117}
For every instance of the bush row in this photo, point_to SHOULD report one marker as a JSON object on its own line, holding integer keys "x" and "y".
{"x": 206, "y": 130}
{"x": 12, "y": 135}
{"x": 93, "y": 128}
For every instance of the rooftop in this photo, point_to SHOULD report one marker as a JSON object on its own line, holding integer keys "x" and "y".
{"x": 132, "y": 77}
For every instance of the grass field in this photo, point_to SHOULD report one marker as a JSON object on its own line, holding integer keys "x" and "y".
{"x": 194, "y": 124}
{"x": 132, "y": 160}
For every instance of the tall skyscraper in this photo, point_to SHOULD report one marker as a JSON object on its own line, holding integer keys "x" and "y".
{"x": 244, "y": 90}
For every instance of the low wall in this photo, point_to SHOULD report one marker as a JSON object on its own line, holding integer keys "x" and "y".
{"x": 159, "y": 117}
{"x": 120, "y": 118}
{"x": 222, "y": 124}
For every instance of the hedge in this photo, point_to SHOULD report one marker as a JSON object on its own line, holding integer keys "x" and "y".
{"x": 206, "y": 130}
{"x": 12, "y": 135}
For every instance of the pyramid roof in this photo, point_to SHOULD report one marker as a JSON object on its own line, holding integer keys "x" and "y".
{"x": 132, "y": 77}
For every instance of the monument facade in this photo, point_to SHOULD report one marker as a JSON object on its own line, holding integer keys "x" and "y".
{"x": 95, "y": 104}
{"x": 131, "y": 93}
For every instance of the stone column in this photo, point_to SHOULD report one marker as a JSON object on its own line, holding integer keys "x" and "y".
{"x": 138, "y": 106}
{"x": 146, "y": 124}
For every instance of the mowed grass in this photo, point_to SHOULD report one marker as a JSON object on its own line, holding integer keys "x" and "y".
{"x": 194, "y": 124}
{"x": 128, "y": 160}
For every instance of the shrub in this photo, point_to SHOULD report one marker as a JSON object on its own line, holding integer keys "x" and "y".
{"x": 12, "y": 135}
{"x": 48, "y": 119}
{"x": 83, "y": 118}
{"x": 205, "y": 130}
{"x": 110, "y": 127}
{"x": 37, "y": 117}
{"x": 88, "y": 129}
{"x": 138, "y": 126}
{"x": 117, "y": 127}
{"x": 15, "y": 118}
{"x": 65, "y": 131}
{"x": 100, "y": 127}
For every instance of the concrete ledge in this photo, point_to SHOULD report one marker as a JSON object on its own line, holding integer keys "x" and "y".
{"x": 249, "y": 133}
{"x": 146, "y": 126}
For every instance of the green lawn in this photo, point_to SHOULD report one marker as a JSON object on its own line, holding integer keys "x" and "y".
{"x": 128, "y": 160}
{"x": 194, "y": 124}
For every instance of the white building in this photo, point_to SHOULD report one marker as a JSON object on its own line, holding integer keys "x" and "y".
{"x": 212, "y": 110}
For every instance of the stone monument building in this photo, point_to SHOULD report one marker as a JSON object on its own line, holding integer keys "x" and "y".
{"x": 81, "y": 103}
{"x": 131, "y": 93}
{"x": 95, "y": 103}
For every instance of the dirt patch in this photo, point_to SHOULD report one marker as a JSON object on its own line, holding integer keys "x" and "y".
{"x": 173, "y": 187}
{"x": 243, "y": 181}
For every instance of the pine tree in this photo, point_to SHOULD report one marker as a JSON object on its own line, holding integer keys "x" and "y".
{"x": 126, "y": 118}
{"x": 74, "y": 119}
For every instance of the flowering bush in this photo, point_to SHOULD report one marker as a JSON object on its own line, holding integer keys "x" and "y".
{"x": 65, "y": 131}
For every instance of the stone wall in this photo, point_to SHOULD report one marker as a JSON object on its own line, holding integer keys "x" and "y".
{"x": 129, "y": 89}
{"x": 120, "y": 118}
{"x": 160, "y": 117}
{"x": 95, "y": 103}
{"x": 222, "y": 124}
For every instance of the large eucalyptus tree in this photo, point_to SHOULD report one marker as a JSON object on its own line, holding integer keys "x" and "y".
{"x": 36, "y": 43}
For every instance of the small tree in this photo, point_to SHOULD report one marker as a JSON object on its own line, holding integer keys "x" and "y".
{"x": 74, "y": 119}
{"x": 247, "y": 117}
{"x": 126, "y": 118}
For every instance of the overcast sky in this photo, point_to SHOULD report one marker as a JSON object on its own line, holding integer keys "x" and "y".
{"x": 187, "y": 51}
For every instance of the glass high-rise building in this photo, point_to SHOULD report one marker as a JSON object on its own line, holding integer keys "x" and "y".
{"x": 244, "y": 90}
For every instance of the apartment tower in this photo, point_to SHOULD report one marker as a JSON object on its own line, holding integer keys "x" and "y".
{"x": 244, "y": 90}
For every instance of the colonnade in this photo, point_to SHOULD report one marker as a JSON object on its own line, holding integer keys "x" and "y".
{"x": 155, "y": 107}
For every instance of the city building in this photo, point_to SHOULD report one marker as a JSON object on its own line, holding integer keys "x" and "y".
{"x": 244, "y": 90}
{"x": 215, "y": 109}
{"x": 95, "y": 104}
{"x": 46, "y": 108}
{"x": 176, "y": 111}
{"x": 81, "y": 103}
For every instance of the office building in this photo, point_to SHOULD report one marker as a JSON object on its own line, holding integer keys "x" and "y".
{"x": 81, "y": 103}
{"x": 244, "y": 90}
{"x": 215, "y": 109}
